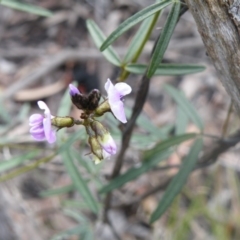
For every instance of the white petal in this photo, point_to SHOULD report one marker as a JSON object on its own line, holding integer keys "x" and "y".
{"x": 108, "y": 84}
{"x": 123, "y": 88}
{"x": 118, "y": 111}
{"x": 42, "y": 105}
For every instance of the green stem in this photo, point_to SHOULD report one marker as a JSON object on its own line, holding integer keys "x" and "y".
{"x": 124, "y": 74}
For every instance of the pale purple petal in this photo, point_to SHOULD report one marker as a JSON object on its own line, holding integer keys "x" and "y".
{"x": 38, "y": 136}
{"x": 123, "y": 88}
{"x": 35, "y": 119}
{"x": 41, "y": 127}
{"x": 118, "y": 111}
{"x": 49, "y": 133}
{"x": 108, "y": 84}
{"x": 109, "y": 145}
{"x": 73, "y": 90}
{"x": 37, "y": 129}
{"x": 115, "y": 94}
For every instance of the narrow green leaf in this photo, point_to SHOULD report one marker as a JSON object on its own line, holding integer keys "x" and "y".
{"x": 73, "y": 138}
{"x": 166, "y": 69}
{"x": 24, "y": 112}
{"x": 65, "y": 234}
{"x": 75, "y": 204}
{"x": 25, "y": 169}
{"x": 186, "y": 106}
{"x": 79, "y": 182}
{"x": 16, "y": 161}
{"x": 140, "y": 38}
{"x": 88, "y": 165}
{"x": 164, "y": 39}
{"x": 133, "y": 20}
{"x": 26, "y": 7}
{"x": 4, "y": 113}
{"x": 57, "y": 191}
{"x": 134, "y": 172}
{"x": 98, "y": 38}
{"x": 178, "y": 181}
{"x": 172, "y": 141}
{"x": 181, "y": 122}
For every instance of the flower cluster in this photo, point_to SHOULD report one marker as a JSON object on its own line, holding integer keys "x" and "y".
{"x": 44, "y": 127}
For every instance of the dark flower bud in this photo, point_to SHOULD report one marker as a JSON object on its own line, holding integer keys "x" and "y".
{"x": 83, "y": 102}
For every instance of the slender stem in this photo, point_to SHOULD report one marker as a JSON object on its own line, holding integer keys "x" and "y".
{"x": 226, "y": 122}
{"x": 125, "y": 73}
{"x": 127, "y": 133}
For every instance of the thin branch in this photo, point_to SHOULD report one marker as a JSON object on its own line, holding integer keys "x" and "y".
{"x": 127, "y": 133}
{"x": 209, "y": 157}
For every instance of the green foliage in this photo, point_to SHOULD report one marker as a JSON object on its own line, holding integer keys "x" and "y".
{"x": 79, "y": 182}
{"x": 164, "y": 39}
{"x": 133, "y": 20}
{"x": 165, "y": 69}
{"x": 134, "y": 172}
{"x": 98, "y": 38}
{"x": 178, "y": 181}
{"x": 185, "y": 105}
{"x": 26, "y": 7}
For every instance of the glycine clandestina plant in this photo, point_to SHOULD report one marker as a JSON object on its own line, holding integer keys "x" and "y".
{"x": 44, "y": 127}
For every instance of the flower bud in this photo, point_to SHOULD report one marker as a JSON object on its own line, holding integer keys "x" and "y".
{"x": 83, "y": 102}
{"x": 95, "y": 147}
{"x": 104, "y": 138}
{"x": 61, "y": 122}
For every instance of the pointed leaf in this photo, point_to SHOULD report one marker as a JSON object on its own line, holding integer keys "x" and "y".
{"x": 172, "y": 141}
{"x": 186, "y": 106}
{"x": 57, "y": 191}
{"x": 26, "y": 7}
{"x": 98, "y": 38}
{"x": 16, "y": 161}
{"x": 134, "y": 172}
{"x": 166, "y": 69}
{"x": 164, "y": 39}
{"x": 151, "y": 158}
{"x": 79, "y": 182}
{"x": 140, "y": 38}
{"x": 178, "y": 181}
{"x": 133, "y": 20}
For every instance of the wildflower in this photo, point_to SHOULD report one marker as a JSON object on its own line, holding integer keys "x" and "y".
{"x": 104, "y": 138}
{"x": 41, "y": 126}
{"x": 115, "y": 96}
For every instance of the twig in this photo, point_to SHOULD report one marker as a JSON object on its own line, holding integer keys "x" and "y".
{"x": 210, "y": 157}
{"x": 226, "y": 122}
{"x": 127, "y": 133}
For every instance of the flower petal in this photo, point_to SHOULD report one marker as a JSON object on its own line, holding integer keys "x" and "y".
{"x": 123, "y": 88}
{"x": 108, "y": 84}
{"x": 73, "y": 90}
{"x": 49, "y": 133}
{"x": 42, "y": 105}
{"x": 38, "y": 136}
{"x": 35, "y": 119}
{"x": 118, "y": 111}
{"x": 106, "y": 155}
{"x": 37, "y": 129}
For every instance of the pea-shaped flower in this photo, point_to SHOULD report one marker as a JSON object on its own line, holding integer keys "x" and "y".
{"x": 115, "y": 98}
{"x": 41, "y": 126}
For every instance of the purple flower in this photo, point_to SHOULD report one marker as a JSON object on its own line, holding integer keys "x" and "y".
{"x": 41, "y": 127}
{"x": 107, "y": 143}
{"x": 73, "y": 90}
{"x": 115, "y": 97}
